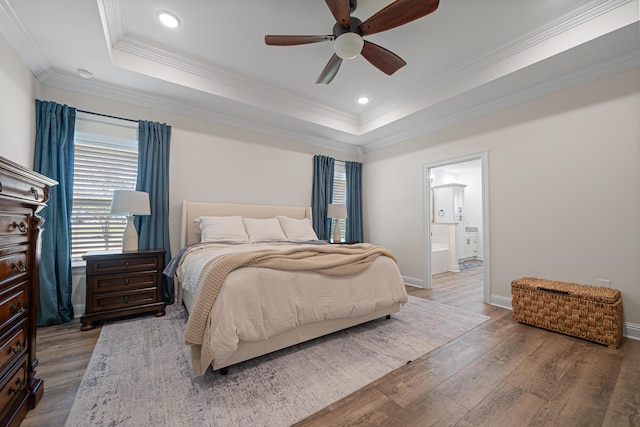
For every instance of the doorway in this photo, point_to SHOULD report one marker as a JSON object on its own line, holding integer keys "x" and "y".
{"x": 471, "y": 216}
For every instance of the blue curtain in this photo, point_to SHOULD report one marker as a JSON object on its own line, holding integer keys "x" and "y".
{"x": 153, "y": 178}
{"x": 322, "y": 194}
{"x": 53, "y": 157}
{"x": 353, "y": 232}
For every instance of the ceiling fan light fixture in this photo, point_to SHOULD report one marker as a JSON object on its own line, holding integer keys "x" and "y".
{"x": 348, "y": 45}
{"x": 168, "y": 19}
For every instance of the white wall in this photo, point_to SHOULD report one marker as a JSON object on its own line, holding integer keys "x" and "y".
{"x": 564, "y": 182}
{"x": 18, "y": 88}
{"x": 212, "y": 162}
{"x": 564, "y": 176}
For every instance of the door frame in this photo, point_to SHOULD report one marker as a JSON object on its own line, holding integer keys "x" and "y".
{"x": 483, "y": 156}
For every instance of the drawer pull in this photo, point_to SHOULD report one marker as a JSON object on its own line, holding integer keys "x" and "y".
{"x": 35, "y": 193}
{"x": 22, "y": 227}
{"x": 20, "y": 383}
{"x": 126, "y": 264}
{"x": 18, "y": 349}
{"x": 126, "y": 281}
{"x": 19, "y": 266}
{"x": 13, "y": 309}
{"x": 126, "y": 299}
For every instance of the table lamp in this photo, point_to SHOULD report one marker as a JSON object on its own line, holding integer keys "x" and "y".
{"x": 337, "y": 211}
{"x": 130, "y": 203}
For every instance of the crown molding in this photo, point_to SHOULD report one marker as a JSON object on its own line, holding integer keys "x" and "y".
{"x": 237, "y": 88}
{"x": 222, "y": 83}
{"x": 15, "y": 33}
{"x": 409, "y": 103}
{"x": 134, "y": 53}
{"x": 114, "y": 26}
{"x": 549, "y": 87}
{"x": 105, "y": 90}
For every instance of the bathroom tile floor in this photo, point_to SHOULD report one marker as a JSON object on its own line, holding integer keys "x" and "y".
{"x": 465, "y": 265}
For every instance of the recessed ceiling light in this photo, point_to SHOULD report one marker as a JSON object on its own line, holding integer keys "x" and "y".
{"x": 363, "y": 100}
{"x": 84, "y": 73}
{"x": 168, "y": 19}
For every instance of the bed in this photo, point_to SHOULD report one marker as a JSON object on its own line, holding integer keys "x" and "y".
{"x": 333, "y": 300}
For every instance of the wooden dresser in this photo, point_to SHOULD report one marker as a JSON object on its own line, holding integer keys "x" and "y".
{"x": 22, "y": 194}
{"x": 123, "y": 283}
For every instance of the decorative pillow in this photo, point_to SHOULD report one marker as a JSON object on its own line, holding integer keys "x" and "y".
{"x": 297, "y": 230}
{"x": 264, "y": 230}
{"x": 222, "y": 229}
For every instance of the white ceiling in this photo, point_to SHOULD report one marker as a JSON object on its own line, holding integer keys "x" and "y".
{"x": 466, "y": 59}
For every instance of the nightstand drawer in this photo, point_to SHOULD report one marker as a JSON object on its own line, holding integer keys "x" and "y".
{"x": 123, "y": 282}
{"x": 117, "y": 300}
{"x": 122, "y": 264}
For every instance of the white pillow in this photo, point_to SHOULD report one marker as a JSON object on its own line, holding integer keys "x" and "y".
{"x": 264, "y": 230}
{"x": 222, "y": 229}
{"x": 297, "y": 230}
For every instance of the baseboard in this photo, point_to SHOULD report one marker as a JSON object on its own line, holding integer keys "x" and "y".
{"x": 414, "y": 281}
{"x": 629, "y": 330}
{"x": 501, "y": 301}
{"x": 78, "y": 309}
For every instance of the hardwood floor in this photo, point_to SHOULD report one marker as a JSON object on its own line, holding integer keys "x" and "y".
{"x": 501, "y": 373}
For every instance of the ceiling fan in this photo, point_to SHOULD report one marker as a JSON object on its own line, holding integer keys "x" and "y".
{"x": 349, "y": 30}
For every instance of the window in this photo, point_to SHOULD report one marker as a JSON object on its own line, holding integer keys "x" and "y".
{"x": 339, "y": 194}
{"x": 106, "y": 159}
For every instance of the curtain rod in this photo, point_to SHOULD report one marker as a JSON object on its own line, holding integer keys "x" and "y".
{"x": 345, "y": 161}
{"x": 106, "y": 115}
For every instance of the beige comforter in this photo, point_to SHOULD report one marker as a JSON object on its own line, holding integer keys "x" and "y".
{"x": 334, "y": 260}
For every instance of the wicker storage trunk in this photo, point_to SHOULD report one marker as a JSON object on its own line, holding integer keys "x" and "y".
{"x": 583, "y": 311}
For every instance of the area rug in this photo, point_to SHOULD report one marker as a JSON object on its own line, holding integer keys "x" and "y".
{"x": 140, "y": 373}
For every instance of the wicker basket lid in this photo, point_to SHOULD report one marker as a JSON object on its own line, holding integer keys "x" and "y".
{"x": 589, "y": 292}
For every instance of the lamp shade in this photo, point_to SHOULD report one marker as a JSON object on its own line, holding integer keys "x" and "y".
{"x": 130, "y": 203}
{"x": 337, "y": 211}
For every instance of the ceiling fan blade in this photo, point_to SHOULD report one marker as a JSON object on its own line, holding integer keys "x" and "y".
{"x": 398, "y": 13}
{"x": 381, "y": 58}
{"x": 340, "y": 10}
{"x": 295, "y": 40}
{"x": 330, "y": 70}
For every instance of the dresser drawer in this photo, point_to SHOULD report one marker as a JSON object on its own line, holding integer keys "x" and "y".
{"x": 13, "y": 345}
{"x": 12, "y": 305}
{"x": 13, "y": 266}
{"x": 13, "y": 387}
{"x": 16, "y": 186}
{"x": 14, "y": 224}
{"x": 123, "y": 282}
{"x": 118, "y": 300}
{"x": 23, "y": 194}
{"x": 122, "y": 265}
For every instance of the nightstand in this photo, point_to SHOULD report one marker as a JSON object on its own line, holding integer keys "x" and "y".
{"x": 122, "y": 284}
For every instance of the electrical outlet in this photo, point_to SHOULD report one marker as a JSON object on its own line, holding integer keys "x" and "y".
{"x": 604, "y": 283}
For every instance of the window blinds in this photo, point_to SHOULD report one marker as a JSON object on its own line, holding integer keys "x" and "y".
{"x": 99, "y": 168}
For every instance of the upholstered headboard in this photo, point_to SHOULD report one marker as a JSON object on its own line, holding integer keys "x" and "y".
{"x": 191, "y": 210}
